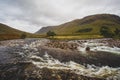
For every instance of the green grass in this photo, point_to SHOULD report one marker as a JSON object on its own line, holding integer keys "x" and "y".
{"x": 77, "y": 37}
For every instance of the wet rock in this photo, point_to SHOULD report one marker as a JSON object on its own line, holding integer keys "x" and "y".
{"x": 87, "y": 49}
{"x": 28, "y": 71}
{"x": 62, "y": 45}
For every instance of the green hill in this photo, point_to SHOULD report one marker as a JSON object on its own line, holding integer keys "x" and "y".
{"x": 7, "y": 32}
{"x": 4, "y": 29}
{"x": 87, "y": 25}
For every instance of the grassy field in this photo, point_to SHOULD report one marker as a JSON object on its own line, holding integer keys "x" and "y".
{"x": 18, "y": 36}
{"x": 77, "y": 37}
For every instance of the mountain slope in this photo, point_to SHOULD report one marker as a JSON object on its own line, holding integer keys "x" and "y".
{"x": 7, "y": 32}
{"x": 4, "y": 29}
{"x": 87, "y": 25}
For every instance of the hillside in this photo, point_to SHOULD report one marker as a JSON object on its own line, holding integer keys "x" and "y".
{"x": 4, "y": 29}
{"x": 7, "y": 32}
{"x": 87, "y": 25}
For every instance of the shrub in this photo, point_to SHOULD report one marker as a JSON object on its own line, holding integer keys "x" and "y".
{"x": 51, "y": 33}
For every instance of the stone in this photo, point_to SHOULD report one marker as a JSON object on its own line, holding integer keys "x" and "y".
{"x": 87, "y": 48}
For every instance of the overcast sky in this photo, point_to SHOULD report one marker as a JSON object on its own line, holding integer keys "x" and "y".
{"x": 31, "y": 15}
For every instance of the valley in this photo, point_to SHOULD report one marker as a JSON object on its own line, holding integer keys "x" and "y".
{"x": 59, "y": 40}
{"x": 82, "y": 49}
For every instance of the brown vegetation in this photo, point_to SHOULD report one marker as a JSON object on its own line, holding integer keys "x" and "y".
{"x": 9, "y": 36}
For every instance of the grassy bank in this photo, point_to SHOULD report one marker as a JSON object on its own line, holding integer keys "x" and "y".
{"x": 19, "y": 36}
{"x": 60, "y": 37}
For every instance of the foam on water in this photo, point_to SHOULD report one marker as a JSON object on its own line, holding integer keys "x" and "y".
{"x": 91, "y": 70}
{"x": 95, "y": 45}
{"x": 107, "y": 49}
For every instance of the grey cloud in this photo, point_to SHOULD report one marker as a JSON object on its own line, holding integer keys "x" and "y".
{"x": 40, "y": 13}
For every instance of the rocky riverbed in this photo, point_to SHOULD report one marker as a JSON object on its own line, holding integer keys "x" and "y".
{"x": 43, "y": 59}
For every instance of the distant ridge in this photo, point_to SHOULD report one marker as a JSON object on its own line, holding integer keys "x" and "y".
{"x": 87, "y": 25}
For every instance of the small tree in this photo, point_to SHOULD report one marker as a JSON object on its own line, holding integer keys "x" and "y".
{"x": 51, "y": 33}
{"x": 23, "y": 36}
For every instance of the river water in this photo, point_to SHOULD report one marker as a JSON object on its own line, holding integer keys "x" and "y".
{"x": 30, "y": 49}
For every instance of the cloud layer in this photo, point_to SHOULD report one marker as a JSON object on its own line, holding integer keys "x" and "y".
{"x": 31, "y": 15}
